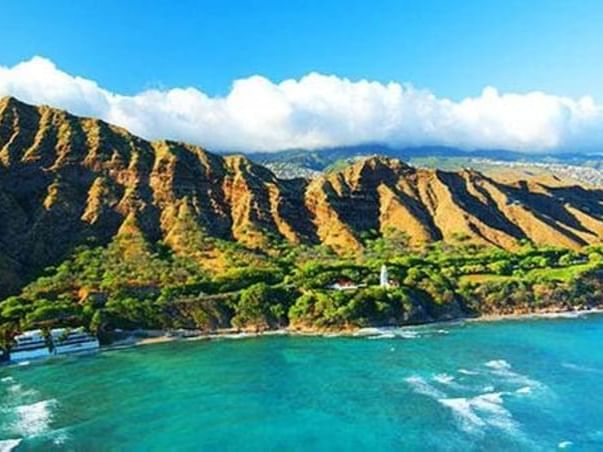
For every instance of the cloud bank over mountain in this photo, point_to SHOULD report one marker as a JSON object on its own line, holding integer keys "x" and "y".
{"x": 320, "y": 111}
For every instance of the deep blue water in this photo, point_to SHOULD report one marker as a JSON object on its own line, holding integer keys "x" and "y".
{"x": 516, "y": 385}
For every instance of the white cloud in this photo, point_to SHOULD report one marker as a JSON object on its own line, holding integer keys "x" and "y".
{"x": 320, "y": 111}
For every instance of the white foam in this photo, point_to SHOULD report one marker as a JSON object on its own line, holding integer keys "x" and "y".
{"x": 463, "y": 411}
{"x": 484, "y": 410}
{"x": 15, "y": 388}
{"x": 387, "y": 333}
{"x": 408, "y": 334}
{"x": 468, "y": 372}
{"x": 498, "y": 364}
{"x": 496, "y": 414}
{"x": 420, "y": 386}
{"x": 561, "y": 315}
{"x": 6, "y": 445}
{"x": 564, "y": 444}
{"x": 384, "y": 336}
{"x": 368, "y": 332}
{"x": 60, "y": 437}
{"x": 34, "y": 419}
{"x": 524, "y": 390}
{"x": 234, "y": 336}
{"x": 17, "y": 393}
{"x": 7, "y": 380}
{"x": 502, "y": 369}
{"x": 444, "y": 379}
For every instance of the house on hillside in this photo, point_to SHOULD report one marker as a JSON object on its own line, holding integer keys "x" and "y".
{"x": 345, "y": 284}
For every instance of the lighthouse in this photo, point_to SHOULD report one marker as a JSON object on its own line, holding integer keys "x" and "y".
{"x": 383, "y": 277}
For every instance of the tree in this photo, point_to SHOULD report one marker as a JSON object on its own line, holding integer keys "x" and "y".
{"x": 8, "y": 331}
{"x": 502, "y": 267}
{"x": 262, "y": 306}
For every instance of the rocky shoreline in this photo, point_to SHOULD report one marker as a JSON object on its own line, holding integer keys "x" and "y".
{"x": 149, "y": 337}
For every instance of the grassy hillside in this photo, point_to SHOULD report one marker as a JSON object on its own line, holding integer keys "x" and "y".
{"x": 133, "y": 284}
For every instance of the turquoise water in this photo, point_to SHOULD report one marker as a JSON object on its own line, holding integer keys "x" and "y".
{"x": 519, "y": 385}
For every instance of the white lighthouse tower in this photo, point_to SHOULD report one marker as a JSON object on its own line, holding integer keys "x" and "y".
{"x": 383, "y": 277}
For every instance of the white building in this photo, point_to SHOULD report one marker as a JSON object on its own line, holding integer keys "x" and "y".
{"x": 33, "y": 344}
{"x": 383, "y": 277}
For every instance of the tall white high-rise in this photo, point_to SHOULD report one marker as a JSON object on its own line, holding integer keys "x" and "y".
{"x": 384, "y": 278}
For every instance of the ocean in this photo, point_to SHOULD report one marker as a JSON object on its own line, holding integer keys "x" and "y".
{"x": 531, "y": 384}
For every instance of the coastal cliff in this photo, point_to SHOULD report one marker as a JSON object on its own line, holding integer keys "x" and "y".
{"x": 102, "y": 228}
{"x": 65, "y": 180}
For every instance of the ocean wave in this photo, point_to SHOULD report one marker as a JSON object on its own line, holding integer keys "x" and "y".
{"x": 59, "y": 437}
{"x": 398, "y": 332}
{"x": 383, "y": 336}
{"x": 444, "y": 378}
{"x": 7, "y": 445}
{"x": 579, "y": 368}
{"x": 15, "y": 388}
{"x": 369, "y": 332}
{"x": 480, "y": 412}
{"x": 234, "y": 336}
{"x": 498, "y": 364}
{"x": 561, "y": 315}
{"x": 17, "y": 394}
{"x": 387, "y": 333}
{"x": 420, "y": 386}
{"x": 407, "y": 334}
{"x": 7, "y": 380}
{"x": 468, "y": 372}
{"x": 564, "y": 444}
{"x": 33, "y": 419}
{"x": 464, "y": 413}
{"x": 491, "y": 404}
{"x": 502, "y": 369}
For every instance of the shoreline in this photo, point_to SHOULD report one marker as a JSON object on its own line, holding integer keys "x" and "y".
{"x": 140, "y": 338}
{"x": 150, "y": 337}
{"x": 544, "y": 314}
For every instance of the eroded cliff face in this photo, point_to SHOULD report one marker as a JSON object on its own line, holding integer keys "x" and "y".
{"x": 380, "y": 193}
{"x": 65, "y": 180}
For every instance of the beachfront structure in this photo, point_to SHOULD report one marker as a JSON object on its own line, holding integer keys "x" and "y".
{"x": 33, "y": 344}
{"x": 29, "y": 345}
{"x": 73, "y": 341}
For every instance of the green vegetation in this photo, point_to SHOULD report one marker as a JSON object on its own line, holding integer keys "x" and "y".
{"x": 131, "y": 284}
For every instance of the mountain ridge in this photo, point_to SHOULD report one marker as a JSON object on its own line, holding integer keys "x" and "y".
{"x": 65, "y": 180}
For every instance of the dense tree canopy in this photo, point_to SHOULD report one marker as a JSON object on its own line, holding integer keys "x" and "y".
{"x": 130, "y": 284}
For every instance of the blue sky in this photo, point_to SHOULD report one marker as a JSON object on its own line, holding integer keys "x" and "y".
{"x": 451, "y": 48}
{"x": 269, "y": 75}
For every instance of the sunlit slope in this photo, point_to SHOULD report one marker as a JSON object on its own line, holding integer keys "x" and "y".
{"x": 66, "y": 180}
